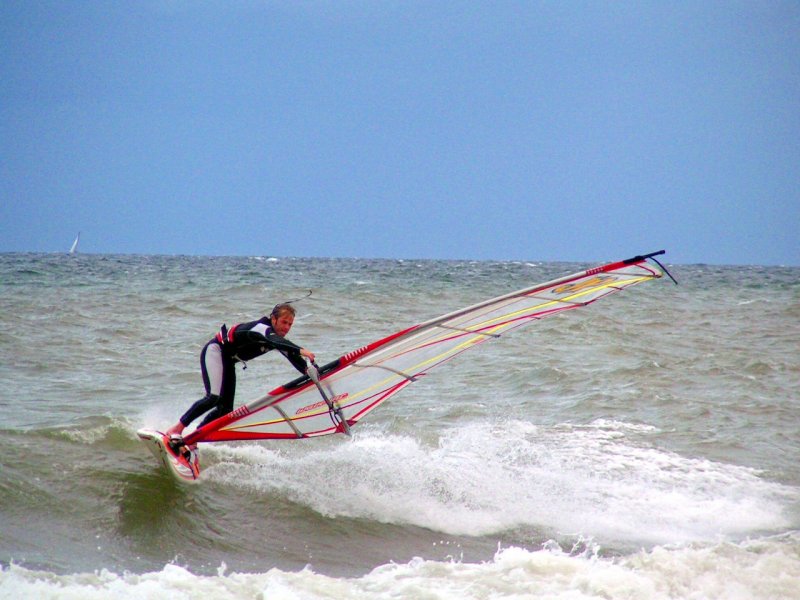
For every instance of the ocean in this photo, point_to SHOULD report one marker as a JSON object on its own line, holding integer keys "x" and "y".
{"x": 645, "y": 446}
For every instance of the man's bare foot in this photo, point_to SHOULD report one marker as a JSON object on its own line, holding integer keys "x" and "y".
{"x": 176, "y": 429}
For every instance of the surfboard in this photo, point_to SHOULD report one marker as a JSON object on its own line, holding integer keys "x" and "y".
{"x": 183, "y": 469}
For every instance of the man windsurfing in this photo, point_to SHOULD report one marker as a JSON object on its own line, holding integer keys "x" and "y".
{"x": 240, "y": 343}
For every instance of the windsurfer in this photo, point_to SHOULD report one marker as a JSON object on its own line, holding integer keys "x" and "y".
{"x": 240, "y": 343}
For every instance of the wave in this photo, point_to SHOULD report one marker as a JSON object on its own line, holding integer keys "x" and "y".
{"x": 767, "y": 568}
{"x": 389, "y": 487}
{"x": 603, "y": 480}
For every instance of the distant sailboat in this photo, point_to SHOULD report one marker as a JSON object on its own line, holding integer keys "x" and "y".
{"x": 74, "y": 248}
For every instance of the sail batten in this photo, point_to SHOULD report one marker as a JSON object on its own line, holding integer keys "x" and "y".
{"x": 361, "y": 380}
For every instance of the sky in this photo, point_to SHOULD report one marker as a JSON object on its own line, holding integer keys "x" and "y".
{"x": 477, "y": 130}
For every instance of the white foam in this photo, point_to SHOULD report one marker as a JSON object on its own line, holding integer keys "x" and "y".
{"x": 590, "y": 480}
{"x": 88, "y": 436}
{"x": 767, "y": 568}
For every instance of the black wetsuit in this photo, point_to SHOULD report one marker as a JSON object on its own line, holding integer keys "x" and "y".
{"x": 240, "y": 343}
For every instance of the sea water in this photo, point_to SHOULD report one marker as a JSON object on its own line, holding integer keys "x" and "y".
{"x": 645, "y": 446}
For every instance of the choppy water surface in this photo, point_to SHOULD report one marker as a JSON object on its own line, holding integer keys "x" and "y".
{"x": 643, "y": 447}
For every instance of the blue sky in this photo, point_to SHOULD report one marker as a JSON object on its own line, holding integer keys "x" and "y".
{"x": 402, "y": 129}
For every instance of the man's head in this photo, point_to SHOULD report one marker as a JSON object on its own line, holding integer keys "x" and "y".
{"x": 282, "y": 318}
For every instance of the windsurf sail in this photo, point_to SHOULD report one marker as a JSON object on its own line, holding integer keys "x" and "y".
{"x": 344, "y": 391}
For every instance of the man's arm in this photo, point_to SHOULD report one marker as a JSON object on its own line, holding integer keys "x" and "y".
{"x": 290, "y": 350}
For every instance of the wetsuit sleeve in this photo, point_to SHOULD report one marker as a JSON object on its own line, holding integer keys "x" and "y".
{"x": 274, "y": 341}
{"x": 289, "y": 349}
{"x": 297, "y": 360}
